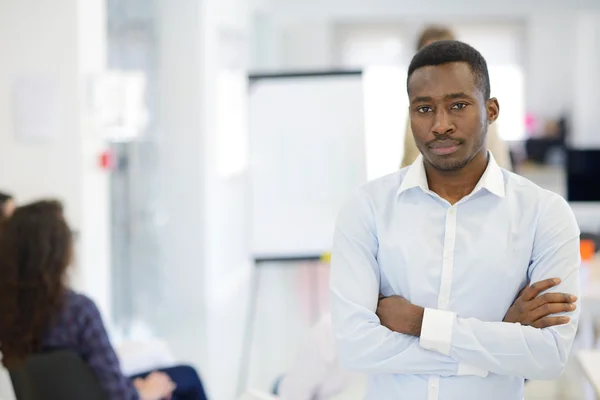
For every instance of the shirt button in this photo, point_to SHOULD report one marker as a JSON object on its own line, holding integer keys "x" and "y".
{"x": 452, "y": 211}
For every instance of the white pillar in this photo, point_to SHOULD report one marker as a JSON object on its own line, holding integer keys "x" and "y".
{"x": 586, "y": 70}
{"x": 50, "y": 50}
{"x": 180, "y": 116}
{"x": 203, "y": 53}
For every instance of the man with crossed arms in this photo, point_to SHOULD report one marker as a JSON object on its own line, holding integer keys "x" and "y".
{"x": 431, "y": 265}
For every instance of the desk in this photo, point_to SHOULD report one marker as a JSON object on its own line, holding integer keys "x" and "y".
{"x": 589, "y": 360}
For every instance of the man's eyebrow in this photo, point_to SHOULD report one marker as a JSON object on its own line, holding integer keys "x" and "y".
{"x": 421, "y": 99}
{"x": 459, "y": 95}
{"x": 450, "y": 96}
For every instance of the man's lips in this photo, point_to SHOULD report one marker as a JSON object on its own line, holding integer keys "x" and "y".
{"x": 444, "y": 147}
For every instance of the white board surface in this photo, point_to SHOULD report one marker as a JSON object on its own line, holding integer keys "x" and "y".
{"x": 307, "y": 150}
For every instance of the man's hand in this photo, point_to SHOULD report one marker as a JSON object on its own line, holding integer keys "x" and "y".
{"x": 399, "y": 315}
{"x": 531, "y": 308}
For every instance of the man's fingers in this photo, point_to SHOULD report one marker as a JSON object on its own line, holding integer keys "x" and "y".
{"x": 552, "y": 298}
{"x": 551, "y": 308}
{"x": 523, "y": 290}
{"x": 550, "y": 321}
{"x": 534, "y": 290}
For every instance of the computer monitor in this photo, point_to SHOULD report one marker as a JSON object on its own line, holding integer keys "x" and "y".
{"x": 583, "y": 175}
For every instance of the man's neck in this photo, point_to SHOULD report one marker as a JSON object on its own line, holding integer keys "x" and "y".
{"x": 454, "y": 185}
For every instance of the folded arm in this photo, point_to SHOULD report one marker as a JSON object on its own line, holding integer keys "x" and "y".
{"x": 363, "y": 343}
{"x": 509, "y": 348}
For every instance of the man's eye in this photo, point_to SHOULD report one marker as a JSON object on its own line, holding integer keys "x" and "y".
{"x": 424, "y": 109}
{"x": 459, "y": 106}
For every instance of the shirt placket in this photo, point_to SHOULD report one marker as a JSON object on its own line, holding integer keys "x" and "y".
{"x": 445, "y": 282}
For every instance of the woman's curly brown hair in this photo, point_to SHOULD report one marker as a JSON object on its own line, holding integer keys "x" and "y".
{"x": 35, "y": 251}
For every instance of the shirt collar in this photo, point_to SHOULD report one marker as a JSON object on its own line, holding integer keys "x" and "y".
{"x": 415, "y": 176}
{"x": 491, "y": 180}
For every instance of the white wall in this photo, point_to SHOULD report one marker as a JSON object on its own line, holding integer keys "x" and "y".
{"x": 292, "y": 45}
{"x": 549, "y": 62}
{"x": 388, "y": 9}
{"x": 33, "y": 45}
{"x": 549, "y": 34}
{"x": 63, "y": 43}
{"x": 266, "y": 42}
{"x": 586, "y": 69}
{"x": 308, "y": 45}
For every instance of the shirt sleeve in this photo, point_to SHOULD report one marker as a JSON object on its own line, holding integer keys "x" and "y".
{"x": 363, "y": 343}
{"x": 513, "y": 349}
{"x": 98, "y": 352}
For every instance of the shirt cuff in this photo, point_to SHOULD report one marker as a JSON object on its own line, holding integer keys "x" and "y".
{"x": 436, "y": 330}
{"x": 467, "y": 369}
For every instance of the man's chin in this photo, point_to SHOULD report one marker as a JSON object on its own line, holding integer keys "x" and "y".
{"x": 448, "y": 164}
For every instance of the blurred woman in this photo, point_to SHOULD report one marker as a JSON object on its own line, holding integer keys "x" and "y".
{"x": 7, "y": 205}
{"x": 38, "y": 312}
{"x": 496, "y": 146}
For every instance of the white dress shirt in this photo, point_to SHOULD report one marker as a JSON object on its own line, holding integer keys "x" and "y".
{"x": 465, "y": 263}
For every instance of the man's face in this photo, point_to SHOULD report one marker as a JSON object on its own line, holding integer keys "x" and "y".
{"x": 449, "y": 115}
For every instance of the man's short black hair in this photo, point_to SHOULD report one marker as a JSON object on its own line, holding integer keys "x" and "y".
{"x": 447, "y": 51}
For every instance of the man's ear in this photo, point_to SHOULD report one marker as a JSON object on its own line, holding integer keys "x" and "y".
{"x": 492, "y": 108}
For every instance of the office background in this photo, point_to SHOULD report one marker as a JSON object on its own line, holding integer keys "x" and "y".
{"x": 162, "y": 211}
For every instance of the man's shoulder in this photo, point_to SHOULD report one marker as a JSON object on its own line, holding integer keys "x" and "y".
{"x": 527, "y": 191}
{"x": 385, "y": 186}
{"x": 545, "y": 204}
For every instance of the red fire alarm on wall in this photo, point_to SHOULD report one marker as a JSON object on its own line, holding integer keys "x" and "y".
{"x": 106, "y": 160}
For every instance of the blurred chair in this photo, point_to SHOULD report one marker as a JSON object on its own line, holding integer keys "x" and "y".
{"x": 56, "y": 375}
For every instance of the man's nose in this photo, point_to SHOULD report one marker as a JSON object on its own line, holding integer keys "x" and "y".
{"x": 443, "y": 124}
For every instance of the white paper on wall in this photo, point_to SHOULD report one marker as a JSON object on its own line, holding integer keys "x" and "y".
{"x": 36, "y": 109}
